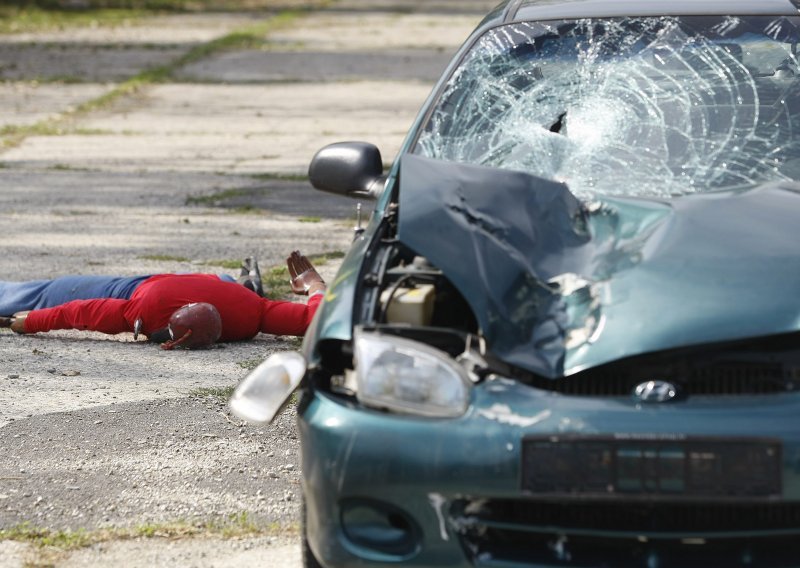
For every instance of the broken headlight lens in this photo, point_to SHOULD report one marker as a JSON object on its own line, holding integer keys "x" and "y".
{"x": 263, "y": 393}
{"x": 409, "y": 377}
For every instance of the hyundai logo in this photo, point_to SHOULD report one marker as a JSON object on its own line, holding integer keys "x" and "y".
{"x": 656, "y": 391}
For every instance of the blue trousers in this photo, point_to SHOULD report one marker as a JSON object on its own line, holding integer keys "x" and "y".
{"x": 38, "y": 294}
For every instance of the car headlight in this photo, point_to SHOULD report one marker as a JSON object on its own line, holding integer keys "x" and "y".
{"x": 409, "y": 377}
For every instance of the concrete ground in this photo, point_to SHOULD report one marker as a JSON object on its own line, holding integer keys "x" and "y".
{"x": 104, "y": 435}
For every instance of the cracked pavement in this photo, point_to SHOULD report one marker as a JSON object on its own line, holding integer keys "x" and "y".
{"x": 103, "y": 432}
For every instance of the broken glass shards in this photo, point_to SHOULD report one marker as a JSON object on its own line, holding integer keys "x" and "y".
{"x": 635, "y": 106}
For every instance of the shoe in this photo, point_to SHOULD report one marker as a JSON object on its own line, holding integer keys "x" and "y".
{"x": 255, "y": 277}
{"x": 250, "y": 276}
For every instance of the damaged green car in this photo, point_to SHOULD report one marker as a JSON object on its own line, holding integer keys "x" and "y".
{"x": 570, "y": 333}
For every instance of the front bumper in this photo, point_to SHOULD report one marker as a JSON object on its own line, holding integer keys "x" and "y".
{"x": 383, "y": 488}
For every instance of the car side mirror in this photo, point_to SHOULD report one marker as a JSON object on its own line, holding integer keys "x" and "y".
{"x": 348, "y": 168}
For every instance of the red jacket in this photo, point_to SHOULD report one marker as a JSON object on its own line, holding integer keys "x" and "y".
{"x": 243, "y": 313}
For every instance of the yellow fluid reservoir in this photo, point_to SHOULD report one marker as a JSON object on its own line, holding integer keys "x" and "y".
{"x": 413, "y": 306}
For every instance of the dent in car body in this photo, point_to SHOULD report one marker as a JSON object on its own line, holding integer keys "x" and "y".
{"x": 672, "y": 273}
{"x": 619, "y": 276}
{"x": 437, "y": 501}
{"x": 472, "y": 454}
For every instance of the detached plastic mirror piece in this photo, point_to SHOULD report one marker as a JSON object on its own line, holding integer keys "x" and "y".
{"x": 262, "y": 394}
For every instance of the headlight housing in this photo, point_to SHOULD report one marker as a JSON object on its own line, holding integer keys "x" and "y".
{"x": 262, "y": 394}
{"x": 409, "y": 377}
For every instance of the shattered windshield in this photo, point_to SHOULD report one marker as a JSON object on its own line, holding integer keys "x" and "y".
{"x": 632, "y": 106}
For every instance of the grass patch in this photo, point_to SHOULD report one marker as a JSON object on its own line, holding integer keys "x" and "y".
{"x": 280, "y": 177}
{"x": 229, "y": 264}
{"x": 164, "y": 258}
{"x": 309, "y": 219}
{"x": 42, "y": 537}
{"x": 239, "y": 524}
{"x": 75, "y": 213}
{"x": 215, "y": 392}
{"x": 68, "y": 168}
{"x": 246, "y": 210}
{"x": 235, "y": 525}
{"x": 247, "y": 37}
{"x": 23, "y": 16}
{"x": 276, "y": 282}
{"x": 251, "y": 37}
{"x": 62, "y": 79}
{"x": 159, "y": 5}
{"x": 324, "y": 257}
{"x": 33, "y": 18}
{"x": 295, "y": 343}
{"x": 217, "y": 198}
{"x": 249, "y": 364}
{"x": 14, "y": 134}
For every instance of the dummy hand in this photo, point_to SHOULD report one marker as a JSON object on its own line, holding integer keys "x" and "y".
{"x": 304, "y": 277}
{"x": 18, "y": 322}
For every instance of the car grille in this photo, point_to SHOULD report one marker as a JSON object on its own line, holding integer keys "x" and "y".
{"x": 509, "y": 533}
{"x": 767, "y": 366}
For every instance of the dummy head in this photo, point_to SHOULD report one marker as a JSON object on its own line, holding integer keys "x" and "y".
{"x": 194, "y": 326}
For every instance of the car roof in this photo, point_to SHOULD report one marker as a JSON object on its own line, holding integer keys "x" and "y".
{"x": 516, "y": 10}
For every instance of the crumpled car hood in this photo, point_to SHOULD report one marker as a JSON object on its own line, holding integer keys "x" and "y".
{"x": 559, "y": 286}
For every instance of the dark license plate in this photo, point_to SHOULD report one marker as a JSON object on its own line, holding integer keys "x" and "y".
{"x": 654, "y": 466}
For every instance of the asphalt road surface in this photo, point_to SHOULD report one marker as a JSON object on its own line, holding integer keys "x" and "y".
{"x": 115, "y": 452}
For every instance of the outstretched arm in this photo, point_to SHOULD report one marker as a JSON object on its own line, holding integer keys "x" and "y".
{"x": 288, "y": 318}
{"x": 106, "y": 315}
